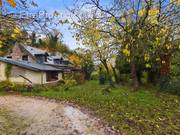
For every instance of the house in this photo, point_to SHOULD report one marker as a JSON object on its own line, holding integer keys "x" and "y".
{"x": 27, "y": 53}
{"x": 31, "y": 65}
{"x": 28, "y": 72}
{"x": 57, "y": 60}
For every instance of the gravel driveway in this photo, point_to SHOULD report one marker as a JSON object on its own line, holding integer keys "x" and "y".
{"x": 32, "y": 116}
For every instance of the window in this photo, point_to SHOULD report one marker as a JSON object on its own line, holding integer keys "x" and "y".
{"x": 41, "y": 58}
{"x": 9, "y": 57}
{"x": 57, "y": 61}
{"x": 66, "y": 62}
{"x": 25, "y": 57}
{"x": 51, "y": 76}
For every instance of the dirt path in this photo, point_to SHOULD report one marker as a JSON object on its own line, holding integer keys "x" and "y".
{"x": 30, "y": 116}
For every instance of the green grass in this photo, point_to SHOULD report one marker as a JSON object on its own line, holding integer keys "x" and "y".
{"x": 2, "y": 93}
{"x": 140, "y": 112}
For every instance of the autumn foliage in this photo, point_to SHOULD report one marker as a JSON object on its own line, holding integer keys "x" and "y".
{"x": 12, "y": 3}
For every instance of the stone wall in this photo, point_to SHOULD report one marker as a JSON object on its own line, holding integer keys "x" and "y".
{"x": 17, "y": 53}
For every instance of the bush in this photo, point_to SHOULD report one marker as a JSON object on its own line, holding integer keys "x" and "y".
{"x": 6, "y": 86}
{"x": 169, "y": 85}
{"x": 79, "y": 77}
{"x": 164, "y": 82}
{"x": 9, "y": 86}
{"x": 61, "y": 82}
{"x": 95, "y": 76}
{"x": 69, "y": 83}
{"x": 174, "y": 87}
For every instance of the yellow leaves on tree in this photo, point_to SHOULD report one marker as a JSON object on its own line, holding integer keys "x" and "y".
{"x": 153, "y": 12}
{"x": 75, "y": 59}
{"x": 131, "y": 11}
{"x": 153, "y": 21}
{"x": 112, "y": 19}
{"x": 176, "y": 1}
{"x": 146, "y": 57}
{"x": 168, "y": 47}
{"x": 141, "y": 12}
{"x": 148, "y": 66}
{"x": 123, "y": 19}
{"x": 114, "y": 28}
{"x": 126, "y": 52}
{"x": 16, "y": 32}
{"x": 12, "y": 3}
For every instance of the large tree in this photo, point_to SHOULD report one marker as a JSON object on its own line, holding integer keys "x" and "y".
{"x": 132, "y": 24}
{"x": 101, "y": 45}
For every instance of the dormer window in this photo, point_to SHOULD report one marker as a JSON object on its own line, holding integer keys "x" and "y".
{"x": 9, "y": 57}
{"x": 25, "y": 57}
{"x": 50, "y": 59}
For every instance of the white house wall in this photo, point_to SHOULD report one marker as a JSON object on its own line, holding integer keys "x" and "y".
{"x": 36, "y": 77}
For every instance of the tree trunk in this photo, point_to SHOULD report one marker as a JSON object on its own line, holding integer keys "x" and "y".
{"x": 164, "y": 71}
{"x": 165, "y": 65}
{"x": 139, "y": 76}
{"x": 108, "y": 72}
{"x": 115, "y": 74}
{"x": 135, "y": 82}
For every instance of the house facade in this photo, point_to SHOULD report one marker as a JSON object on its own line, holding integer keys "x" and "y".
{"x": 30, "y": 65}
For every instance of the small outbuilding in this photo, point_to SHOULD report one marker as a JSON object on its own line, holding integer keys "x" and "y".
{"x": 27, "y": 72}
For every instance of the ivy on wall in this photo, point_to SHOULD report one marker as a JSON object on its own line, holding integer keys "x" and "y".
{"x": 8, "y": 71}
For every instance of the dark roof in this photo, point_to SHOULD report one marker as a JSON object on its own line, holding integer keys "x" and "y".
{"x": 30, "y": 66}
{"x": 34, "y": 51}
{"x": 60, "y": 66}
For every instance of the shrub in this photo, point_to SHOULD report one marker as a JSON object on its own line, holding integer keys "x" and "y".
{"x": 164, "y": 83}
{"x": 79, "y": 77}
{"x": 95, "y": 76}
{"x": 9, "y": 86}
{"x": 169, "y": 85}
{"x": 69, "y": 83}
{"x": 6, "y": 86}
{"x": 174, "y": 87}
{"x": 61, "y": 82}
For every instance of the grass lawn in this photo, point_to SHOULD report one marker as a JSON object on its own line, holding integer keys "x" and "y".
{"x": 2, "y": 93}
{"x": 140, "y": 112}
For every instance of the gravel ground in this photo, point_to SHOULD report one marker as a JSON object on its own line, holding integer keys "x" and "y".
{"x": 32, "y": 116}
